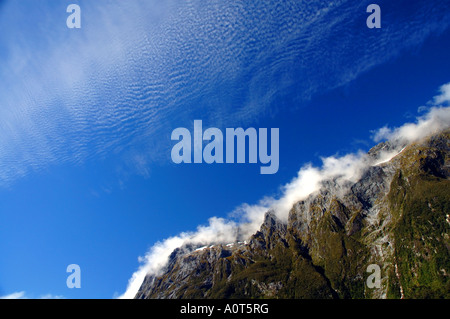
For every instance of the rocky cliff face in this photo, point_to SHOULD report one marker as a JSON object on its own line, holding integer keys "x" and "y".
{"x": 395, "y": 216}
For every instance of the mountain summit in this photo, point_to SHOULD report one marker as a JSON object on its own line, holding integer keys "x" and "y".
{"x": 395, "y": 216}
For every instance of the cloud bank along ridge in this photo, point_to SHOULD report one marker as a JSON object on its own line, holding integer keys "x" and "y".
{"x": 169, "y": 61}
{"x": 308, "y": 180}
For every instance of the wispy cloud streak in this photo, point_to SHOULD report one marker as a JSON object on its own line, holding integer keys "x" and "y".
{"x": 137, "y": 68}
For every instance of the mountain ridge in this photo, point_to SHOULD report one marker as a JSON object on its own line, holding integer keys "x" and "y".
{"x": 395, "y": 216}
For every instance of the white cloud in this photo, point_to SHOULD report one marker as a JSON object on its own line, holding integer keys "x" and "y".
{"x": 23, "y": 295}
{"x": 14, "y": 295}
{"x": 50, "y": 296}
{"x": 444, "y": 97}
{"x": 436, "y": 119}
{"x": 119, "y": 82}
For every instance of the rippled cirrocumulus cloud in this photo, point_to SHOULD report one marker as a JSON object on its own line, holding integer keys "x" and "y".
{"x": 137, "y": 68}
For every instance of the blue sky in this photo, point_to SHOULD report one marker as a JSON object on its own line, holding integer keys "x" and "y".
{"x": 86, "y": 116}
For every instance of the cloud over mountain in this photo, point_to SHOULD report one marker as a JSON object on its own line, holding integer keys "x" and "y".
{"x": 342, "y": 170}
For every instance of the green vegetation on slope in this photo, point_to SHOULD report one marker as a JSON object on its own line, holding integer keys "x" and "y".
{"x": 420, "y": 204}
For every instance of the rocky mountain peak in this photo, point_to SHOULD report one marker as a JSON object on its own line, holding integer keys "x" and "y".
{"x": 395, "y": 216}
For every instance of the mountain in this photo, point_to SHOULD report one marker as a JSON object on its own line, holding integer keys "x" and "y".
{"x": 396, "y": 216}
